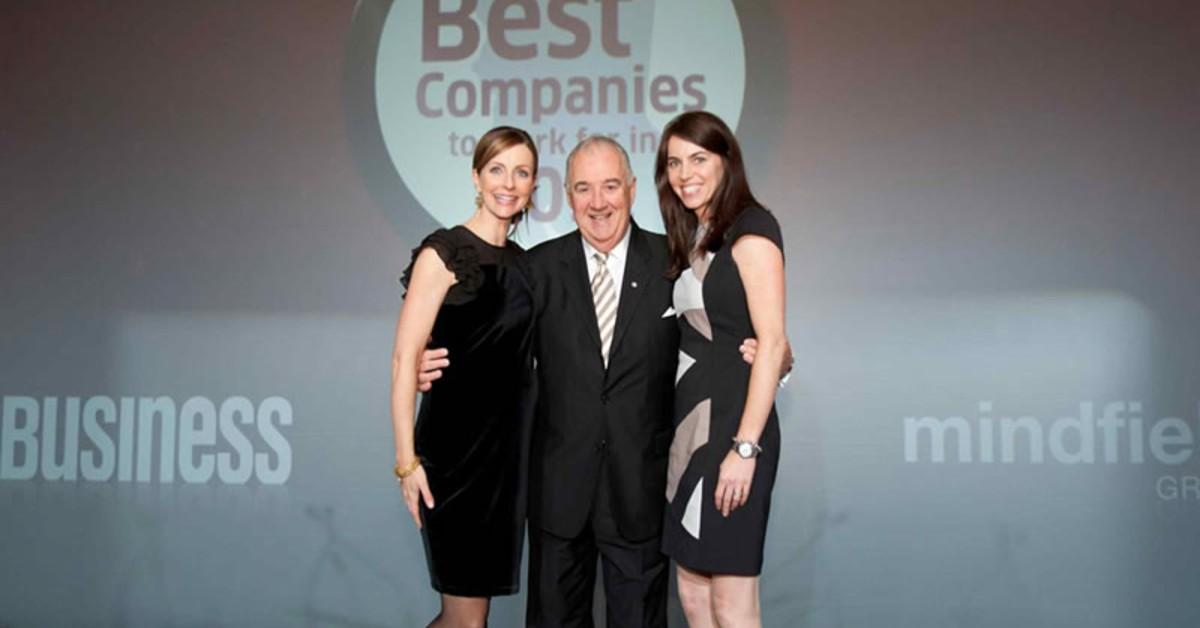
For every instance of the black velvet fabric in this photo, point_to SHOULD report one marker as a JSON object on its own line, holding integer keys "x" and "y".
{"x": 472, "y": 427}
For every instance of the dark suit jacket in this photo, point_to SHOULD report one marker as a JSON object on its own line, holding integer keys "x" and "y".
{"x": 588, "y": 416}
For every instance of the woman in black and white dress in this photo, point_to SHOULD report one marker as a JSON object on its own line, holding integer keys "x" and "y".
{"x": 727, "y": 257}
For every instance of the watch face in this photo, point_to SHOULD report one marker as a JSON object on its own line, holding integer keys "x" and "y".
{"x": 745, "y": 450}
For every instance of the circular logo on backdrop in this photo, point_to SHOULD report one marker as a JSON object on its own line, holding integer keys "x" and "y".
{"x": 446, "y": 71}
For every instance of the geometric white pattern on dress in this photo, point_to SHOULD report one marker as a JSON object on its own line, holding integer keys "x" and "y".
{"x": 685, "y": 362}
{"x": 691, "y": 514}
{"x": 688, "y": 294}
{"x": 688, "y": 298}
{"x": 698, "y": 320}
{"x": 691, "y": 434}
{"x": 700, "y": 264}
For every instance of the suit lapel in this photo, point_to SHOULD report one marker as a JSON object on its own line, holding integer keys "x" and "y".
{"x": 637, "y": 269}
{"x": 579, "y": 289}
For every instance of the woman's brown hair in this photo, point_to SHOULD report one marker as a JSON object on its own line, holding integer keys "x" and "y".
{"x": 730, "y": 198}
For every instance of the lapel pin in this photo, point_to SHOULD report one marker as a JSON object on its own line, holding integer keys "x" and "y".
{"x": 633, "y": 284}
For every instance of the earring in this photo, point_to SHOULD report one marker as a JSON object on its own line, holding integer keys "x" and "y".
{"x": 478, "y": 200}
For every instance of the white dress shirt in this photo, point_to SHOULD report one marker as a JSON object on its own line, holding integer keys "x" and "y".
{"x": 615, "y": 262}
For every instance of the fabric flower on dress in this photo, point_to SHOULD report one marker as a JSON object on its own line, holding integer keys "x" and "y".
{"x": 463, "y": 261}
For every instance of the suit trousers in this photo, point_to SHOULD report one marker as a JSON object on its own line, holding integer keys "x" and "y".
{"x": 562, "y": 574}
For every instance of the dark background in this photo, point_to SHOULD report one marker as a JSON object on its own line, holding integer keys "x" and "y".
{"x": 982, "y": 201}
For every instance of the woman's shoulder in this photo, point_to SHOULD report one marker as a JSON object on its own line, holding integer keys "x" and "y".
{"x": 513, "y": 247}
{"x": 457, "y": 253}
{"x": 756, "y": 220}
{"x": 444, "y": 242}
{"x": 755, "y": 216}
{"x": 453, "y": 245}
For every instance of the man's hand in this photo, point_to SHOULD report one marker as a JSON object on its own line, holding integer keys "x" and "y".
{"x": 749, "y": 349}
{"x": 432, "y": 363}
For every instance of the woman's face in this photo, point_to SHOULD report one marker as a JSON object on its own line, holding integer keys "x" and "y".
{"x": 506, "y": 182}
{"x": 694, "y": 174}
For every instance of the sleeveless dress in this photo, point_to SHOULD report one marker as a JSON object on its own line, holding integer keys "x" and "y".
{"x": 472, "y": 428}
{"x": 711, "y": 386}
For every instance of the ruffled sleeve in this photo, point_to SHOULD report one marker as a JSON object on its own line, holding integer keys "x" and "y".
{"x": 757, "y": 221}
{"x": 459, "y": 257}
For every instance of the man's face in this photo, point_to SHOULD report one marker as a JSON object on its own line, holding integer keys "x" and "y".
{"x": 600, "y": 196}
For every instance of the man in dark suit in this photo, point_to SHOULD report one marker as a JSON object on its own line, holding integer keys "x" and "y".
{"x": 604, "y": 412}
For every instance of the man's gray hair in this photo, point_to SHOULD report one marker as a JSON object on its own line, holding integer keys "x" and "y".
{"x": 592, "y": 141}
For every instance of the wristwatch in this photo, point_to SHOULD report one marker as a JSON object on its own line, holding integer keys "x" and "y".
{"x": 746, "y": 449}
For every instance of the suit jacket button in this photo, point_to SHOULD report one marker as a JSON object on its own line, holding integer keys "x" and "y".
{"x": 602, "y": 445}
{"x": 604, "y": 398}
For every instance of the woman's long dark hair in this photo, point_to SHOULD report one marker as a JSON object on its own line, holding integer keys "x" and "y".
{"x": 730, "y": 198}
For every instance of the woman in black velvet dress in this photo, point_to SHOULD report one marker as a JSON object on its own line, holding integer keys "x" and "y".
{"x": 727, "y": 257}
{"x": 460, "y": 467}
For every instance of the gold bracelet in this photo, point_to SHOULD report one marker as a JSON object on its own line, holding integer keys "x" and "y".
{"x": 408, "y": 469}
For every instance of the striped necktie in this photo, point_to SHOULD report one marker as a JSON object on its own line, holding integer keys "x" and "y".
{"x": 604, "y": 297}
